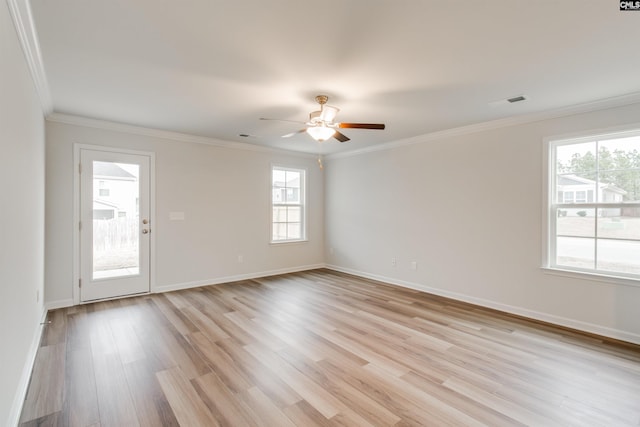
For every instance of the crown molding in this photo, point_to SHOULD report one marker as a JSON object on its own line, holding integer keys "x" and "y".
{"x": 165, "y": 134}
{"x": 602, "y": 104}
{"x": 20, "y": 11}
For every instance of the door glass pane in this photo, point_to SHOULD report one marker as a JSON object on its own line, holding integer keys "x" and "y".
{"x": 116, "y": 219}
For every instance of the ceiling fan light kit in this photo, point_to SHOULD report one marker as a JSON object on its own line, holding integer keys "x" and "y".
{"x": 320, "y": 132}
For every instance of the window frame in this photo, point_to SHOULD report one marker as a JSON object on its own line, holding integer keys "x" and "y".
{"x": 302, "y": 204}
{"x": 551, "y": 208}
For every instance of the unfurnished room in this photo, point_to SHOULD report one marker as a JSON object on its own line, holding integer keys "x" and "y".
{"x": 348, "y": 213}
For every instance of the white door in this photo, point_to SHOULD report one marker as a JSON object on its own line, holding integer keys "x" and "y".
{"x": 115, "y": 229}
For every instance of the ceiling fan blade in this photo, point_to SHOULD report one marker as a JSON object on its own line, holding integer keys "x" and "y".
{"x": 379, "y": 126}
{"x": 341, "y": 137}
{"x": 289, "y": 135}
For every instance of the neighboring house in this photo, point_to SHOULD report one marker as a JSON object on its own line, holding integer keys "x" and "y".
{"x": 575, "y": 189}
{"x": 289, "y": 191}
{"x": 115, "y": 192}
{"x": 105, "y": 210}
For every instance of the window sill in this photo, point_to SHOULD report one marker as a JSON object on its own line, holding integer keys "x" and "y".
{"x": 602, "y": 278}
{"x": 288, "y": 242}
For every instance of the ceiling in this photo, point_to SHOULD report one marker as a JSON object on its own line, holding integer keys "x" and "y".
{"x": 212, "y": 68}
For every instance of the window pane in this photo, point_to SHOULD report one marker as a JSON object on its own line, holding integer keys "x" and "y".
{"x": 293, "y": 195}
{"x": 279, "y": 214}
{"x": 278, "y": 178}
{"x": 276, "y": 195}
{"x": 569, "y": 196}
{"x": 294, "y": 230}
{"x": 294, "y": 214}
{"x": 619, "y": 256}
{"x": 293, "y": 179}
{"x": 575, "y": 252}
{"x": 576, "y": 158}
{"x": 576, "y": 223}
{"x": 608, "y": 191}
{"x": 619, "y": 164}
{"x": 279, "y": 231}
{"x": 574, "y": 188}
{"x": 620, "y": 186}
{"x": 619, "y": 153}
{"x": 619, "y": 223}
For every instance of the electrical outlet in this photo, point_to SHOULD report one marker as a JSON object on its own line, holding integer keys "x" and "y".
{"x": 394, "y": 262}
{"x": 240, "y": 258}
{"x": 414, "y": 265}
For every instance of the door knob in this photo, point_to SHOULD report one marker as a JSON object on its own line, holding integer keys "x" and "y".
{"x": 145, "y": 221}
{"x": 145, "y": 231}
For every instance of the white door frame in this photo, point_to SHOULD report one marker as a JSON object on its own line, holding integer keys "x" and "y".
{"x": 75, "y": 286}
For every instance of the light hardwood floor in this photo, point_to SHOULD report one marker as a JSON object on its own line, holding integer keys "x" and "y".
{"x": 321, "y": 348}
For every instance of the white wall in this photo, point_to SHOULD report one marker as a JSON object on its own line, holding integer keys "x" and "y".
{"x": 224, "y": 194}
{"x": 21, "y": 220}
{"x": 468, "y": 210}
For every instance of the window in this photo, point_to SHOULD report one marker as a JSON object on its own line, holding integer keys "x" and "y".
{"x": 103, "y": 191}
{"x": 287, "y": 205}
{"x": 594, "y": 206}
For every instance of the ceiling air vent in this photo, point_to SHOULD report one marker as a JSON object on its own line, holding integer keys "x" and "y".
{"x": 516, "y": 99}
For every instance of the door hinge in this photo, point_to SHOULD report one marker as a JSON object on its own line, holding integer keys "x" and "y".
{"x": 79, "y": 167}
{"x": 79, "y": 283}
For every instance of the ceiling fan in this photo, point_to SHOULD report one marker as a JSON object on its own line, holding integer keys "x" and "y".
{"x": 321, "y": 125}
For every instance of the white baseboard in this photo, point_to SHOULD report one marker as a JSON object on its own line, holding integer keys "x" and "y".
{"x": 23, "y": 385}
{"x": 520, "y": 311}
{"x": 235, "y": 278}
{"x": 52, "y": 305}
